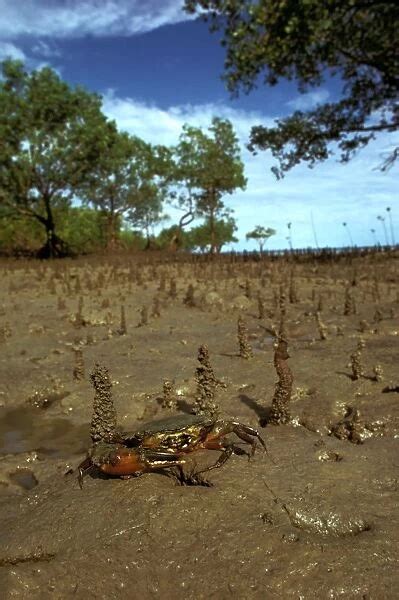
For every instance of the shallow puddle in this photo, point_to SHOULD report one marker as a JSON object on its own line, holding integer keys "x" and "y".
{"x": 24, "y": 478}
{"x": 25, "y": 429}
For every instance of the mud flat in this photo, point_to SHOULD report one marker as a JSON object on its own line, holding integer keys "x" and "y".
{"x": 317, "y": 517}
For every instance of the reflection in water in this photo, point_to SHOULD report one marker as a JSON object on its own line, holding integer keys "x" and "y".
{"x": 25, "y": 429}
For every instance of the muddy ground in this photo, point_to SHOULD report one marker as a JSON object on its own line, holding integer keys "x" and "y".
{"x": 316, "y": 518}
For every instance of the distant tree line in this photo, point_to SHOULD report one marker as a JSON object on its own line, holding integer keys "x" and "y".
{"x": 70, "y": 181}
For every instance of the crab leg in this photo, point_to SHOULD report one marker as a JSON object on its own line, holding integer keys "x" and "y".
{"x": 224, "y": 457}
{"x": 161, "y": 460}
{"x": 84, "y": 468}
{"x": 247, "y": 434}
{"x": 244, "y": 432}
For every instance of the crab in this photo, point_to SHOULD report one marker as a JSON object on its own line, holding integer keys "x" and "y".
{"x": 162, "y": 444}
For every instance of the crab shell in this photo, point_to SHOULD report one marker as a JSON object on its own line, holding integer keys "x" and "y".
{"x": 177, "y": 434}
{"x": 154, "y": 445}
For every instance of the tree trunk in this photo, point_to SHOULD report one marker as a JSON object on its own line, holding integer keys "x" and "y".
{"x": 175, "y": 241}
{"x": 148, "y": 244}
{"x": 212, "y": 210}
{"x": 54, "y": 246}
{"x": 212, "y": 232}
{"x": 111, "y": 231}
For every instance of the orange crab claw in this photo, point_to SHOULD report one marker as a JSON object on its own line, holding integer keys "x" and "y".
{"x": 124, "y": 463}
{"x": 134, "y": 462}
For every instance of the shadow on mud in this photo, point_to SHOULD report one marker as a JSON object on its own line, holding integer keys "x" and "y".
{"x": 262, "y": 412}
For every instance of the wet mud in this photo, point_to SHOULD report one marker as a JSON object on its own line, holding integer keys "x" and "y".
{"x": 315, "y": 517}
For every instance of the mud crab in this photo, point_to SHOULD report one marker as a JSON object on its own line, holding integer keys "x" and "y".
{"x": 162, "y": 444}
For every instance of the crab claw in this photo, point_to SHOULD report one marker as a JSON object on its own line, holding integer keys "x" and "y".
{"x": 85, "y": 467}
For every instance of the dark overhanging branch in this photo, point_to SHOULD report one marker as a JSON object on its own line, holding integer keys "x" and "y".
{"x": 26, "y": 211}
{"x": 329, "y": 133}
{"x": 372, "y": 128}
{"x": 366, "y": 61}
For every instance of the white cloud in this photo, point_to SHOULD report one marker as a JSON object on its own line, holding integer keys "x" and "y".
{"x": 309, "y": 100}
{"x": 160, "y": 126}
{"x": 355, "y": 193}
{"x": 76, "y": 18}
{"x": 43, "y": 49}
{"x": 8, "y": 50}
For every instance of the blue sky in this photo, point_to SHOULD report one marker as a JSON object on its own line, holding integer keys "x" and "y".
{"x": 157, "y": 69}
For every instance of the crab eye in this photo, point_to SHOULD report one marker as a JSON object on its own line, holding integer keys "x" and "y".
{"x": 133, "y": 442}
{"x": 185, "y": 440}
{"x": 180, "y": 441}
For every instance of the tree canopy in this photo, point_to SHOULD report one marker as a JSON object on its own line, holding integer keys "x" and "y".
{"x": 57, "y": 149}
{"x": 51, "y": 135}
{"x": 127, "y": 179}
{"x": 261, "y": 235}
{"x": 205, "y": 238}
{"x": 209, "y": 166}
{"x": 147, "y": 212}
{"x": 355, "y": 41}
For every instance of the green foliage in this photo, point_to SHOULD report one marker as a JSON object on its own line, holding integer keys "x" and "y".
{"x": 129, "y": 178}
{"x": 57, "y": 145}
{"x": 51, "y": 136}
{"x": 304, "y": 41}
{"x": 212, "y": 161}
{"x": 20, "y": 235}
{"x": 211, "y": 237}
{"x": 209, "y": 166}
{"x": 200, "y": 237}
{"x": 173, "y": 238}
{"x": 147, "y": 211}
{"x": 82, "y": 229}
{"x": 132, "y": 240}
{"x": 261, "y": 235}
